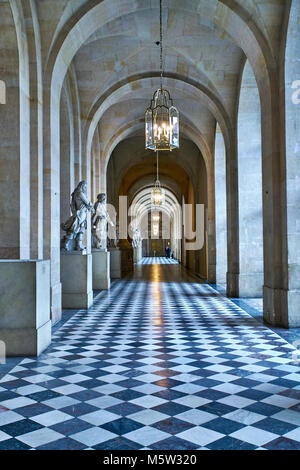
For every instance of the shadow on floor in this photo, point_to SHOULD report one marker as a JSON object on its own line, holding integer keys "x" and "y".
{"x": 255, "y": 308}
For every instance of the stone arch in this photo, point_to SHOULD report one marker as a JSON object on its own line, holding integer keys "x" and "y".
{"x": 199, "y": 140}
{"x": 238, "y": 26}
{"x": 147, "y": 182}
{"x": 170, "y": 215}
{"x": 195, "y": 193}
{"x": 202, "y": 93}
{"x": 136, "y": 126}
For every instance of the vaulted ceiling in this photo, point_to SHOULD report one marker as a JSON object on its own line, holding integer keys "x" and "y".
{"x": 117, "y": 64}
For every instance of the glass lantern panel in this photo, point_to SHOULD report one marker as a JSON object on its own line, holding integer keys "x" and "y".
{"x": 161, "y": 128}
{"x": 174, "y": 127}
{"x": 148, "y": 130}
{"x": 155, "y": 229}
{"x": 158, "y": 196}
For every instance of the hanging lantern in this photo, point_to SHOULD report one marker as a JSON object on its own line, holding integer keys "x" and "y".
{"x": 157, "y": 194}
{"x": 155, "y": 217}
{"x": 155, "y": 229}
{"x": 162, "y": 117}
{"x": 162, "y": 123}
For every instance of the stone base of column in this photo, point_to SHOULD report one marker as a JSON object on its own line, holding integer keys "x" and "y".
{"x": 101, "y": 269}
{"x": 25, "y": 325}
{"x": 251, "y": 285}
{"x": 275, "y": 307}
{"x": 232, "y": 284}
{"x": 76, "y": 279}
{"x": 55, "y": 303}
{"x": 293, "y": 304}
{"x": 115, "y": 263}
{"x": 212, "y": 274}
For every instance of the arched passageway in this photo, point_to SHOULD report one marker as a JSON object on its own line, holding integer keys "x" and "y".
{"x": 160, "y": 227}
{"x": 186, "y": 197}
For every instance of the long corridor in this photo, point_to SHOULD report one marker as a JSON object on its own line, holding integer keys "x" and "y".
{"x": 160, "y": 361}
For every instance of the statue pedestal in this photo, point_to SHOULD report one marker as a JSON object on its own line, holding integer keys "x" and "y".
{"x": 101, "y": 269}
{"x": 137, "y": 254}
{"x": 25, "y": 325}
{"x": 126, "y": 256}
{"x": 115, "y": 263}
{"x": 76, "y": 279}
{"x": 121, "y": 259}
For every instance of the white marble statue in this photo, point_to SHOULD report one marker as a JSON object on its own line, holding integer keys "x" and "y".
{"x": 137, "y": 238}
{"x": 113, "y": 242}
{"x": 99, "y": 223}
{"x": 76, "y": 225}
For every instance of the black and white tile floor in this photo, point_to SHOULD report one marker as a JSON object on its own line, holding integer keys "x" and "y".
{"x": 159, "y": 362}
{"x": 158, "y": 260}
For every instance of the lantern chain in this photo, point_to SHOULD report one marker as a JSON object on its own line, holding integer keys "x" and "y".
{"x": 161, "y": 43}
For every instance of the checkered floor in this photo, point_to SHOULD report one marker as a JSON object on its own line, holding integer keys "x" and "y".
{"x": 158, "y": 260}
{"x": 159, "y": 362}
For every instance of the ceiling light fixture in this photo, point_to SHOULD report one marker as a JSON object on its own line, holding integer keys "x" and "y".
{"x": 155, "y": 230}
{"x": 157, "y": 193}
{"x": 162, "y": 117}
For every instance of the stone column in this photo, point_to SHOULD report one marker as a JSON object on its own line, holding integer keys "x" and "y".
{"x": 97, "y": 163}
{"x": 36, "y": 129}
{"x": 232, "y": 217}
{"x": 15, "y": 135}
{"x": 220, "y": 205}
{"x": 67, "y": 154}
{"x": 204, "y": 262}
{"x": 52, "y": 195}
{"x": 211, "y": 225}
{"x": 290, "y": 314}
{"x": 250, "y": 187}
{"x": 24, "y": 129}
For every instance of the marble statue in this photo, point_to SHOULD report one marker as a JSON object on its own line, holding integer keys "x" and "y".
{"x": 113, "y": 242}
{"x": 76, "y": 225}
{"x": 137, "y": 238}
{"x": 99, "y": 223}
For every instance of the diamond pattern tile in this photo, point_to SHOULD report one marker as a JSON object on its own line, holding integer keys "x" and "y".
{"x": 159, "y": 362}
